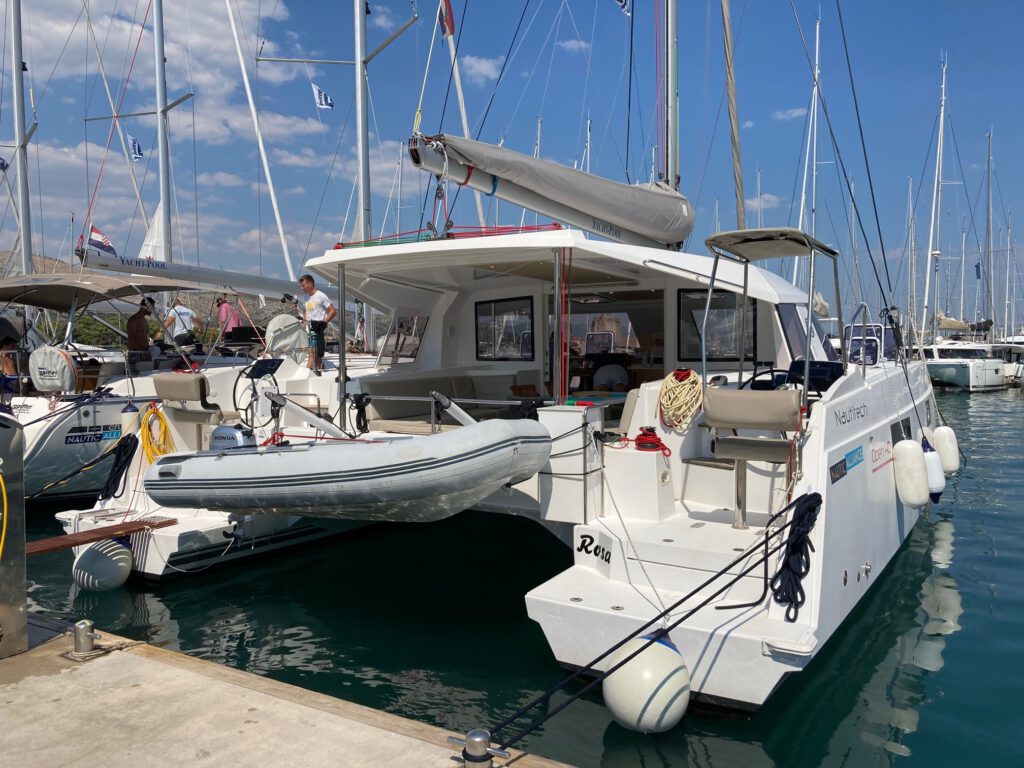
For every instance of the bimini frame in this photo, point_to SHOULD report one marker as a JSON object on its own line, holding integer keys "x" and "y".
{"x": 750, "y": 245}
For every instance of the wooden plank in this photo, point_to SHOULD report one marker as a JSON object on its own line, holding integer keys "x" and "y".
{"x": 57, "y": 543}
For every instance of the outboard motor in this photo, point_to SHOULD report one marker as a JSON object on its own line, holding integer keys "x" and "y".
{"x": 226, "y": 438}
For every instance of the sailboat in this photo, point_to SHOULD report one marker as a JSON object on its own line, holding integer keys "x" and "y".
{"x": 955, "y": 358}
{"x": 683, "y": 497}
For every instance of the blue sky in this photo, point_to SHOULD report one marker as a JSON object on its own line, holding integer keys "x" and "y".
{"x": 568, "y": 61}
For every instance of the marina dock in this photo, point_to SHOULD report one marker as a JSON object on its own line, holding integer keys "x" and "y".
{"x": 142, "y": 705}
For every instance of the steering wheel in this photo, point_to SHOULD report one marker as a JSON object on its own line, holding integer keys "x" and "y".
{"x": 245, "y": 396}
{"x": 763, "y": 372}
{"x": 797, "y": 378}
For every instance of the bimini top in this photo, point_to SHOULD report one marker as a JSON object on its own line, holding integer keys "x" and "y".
{"x": 454, "y": 264}
{"x": 62, "y": 291}
{"x": 767, "y": 243}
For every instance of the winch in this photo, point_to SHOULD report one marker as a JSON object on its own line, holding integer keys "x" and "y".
{"x": 226, "y": 437}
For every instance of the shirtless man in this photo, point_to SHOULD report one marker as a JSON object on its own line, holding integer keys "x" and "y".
{"x": 138, "y": 331}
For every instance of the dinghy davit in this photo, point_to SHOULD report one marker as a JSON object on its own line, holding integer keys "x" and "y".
{"x": 405, "y": 479}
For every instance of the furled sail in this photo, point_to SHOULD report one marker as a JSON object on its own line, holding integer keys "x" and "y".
{"x": 949, "y": 323}
{"x": 645, "y": 214}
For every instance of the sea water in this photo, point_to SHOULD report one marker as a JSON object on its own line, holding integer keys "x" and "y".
{"x": 428, "y": 622}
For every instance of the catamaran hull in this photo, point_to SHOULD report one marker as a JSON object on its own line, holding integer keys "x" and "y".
{"x": 970, "y": 375}
{"x": 417, "y": 479}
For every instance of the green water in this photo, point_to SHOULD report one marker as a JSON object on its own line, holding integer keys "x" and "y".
{"x": 429, "y": 622}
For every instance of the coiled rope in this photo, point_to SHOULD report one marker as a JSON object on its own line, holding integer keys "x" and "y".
{"x": 786, "y": 585}
{"x": 124, "y": 452}
{"x": 681, "y": 396}
{"x": 157, "y": 445}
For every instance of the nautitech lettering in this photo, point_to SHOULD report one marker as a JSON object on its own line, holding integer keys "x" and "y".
{"x": 96, "y": 433}
{"x": 851, "y": 414}
{"x": 587, "y": 545}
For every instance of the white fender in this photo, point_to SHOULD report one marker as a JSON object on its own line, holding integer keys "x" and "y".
{"x": 911, "y": 473}
{"x": 948, "y": 448}
{"x": 936, "y": 477}
{"x": 651, "y": 691}
{"x": 102, "y": 565}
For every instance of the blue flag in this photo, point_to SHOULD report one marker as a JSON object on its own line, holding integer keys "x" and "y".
{"x": 134, "y": 148}
{"x": 624, "y": 5}
{"x": 3, "y": 165}
{"x": 323, "y": 101}
{"x": 977, "y": 271}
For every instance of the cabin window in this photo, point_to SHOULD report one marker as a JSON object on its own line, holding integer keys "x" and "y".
{"x": 723, "y": 326}
{"x": 504, "y": 329}
{"x": 402, "y": 342}
{"x": 794, "y": 328}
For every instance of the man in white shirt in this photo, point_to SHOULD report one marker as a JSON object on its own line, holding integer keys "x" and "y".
{"x": 182, "y": 322}
{"x": 318, "y": 311}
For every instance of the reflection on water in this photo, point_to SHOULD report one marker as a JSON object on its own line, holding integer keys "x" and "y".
{"x": 429, "y": 622}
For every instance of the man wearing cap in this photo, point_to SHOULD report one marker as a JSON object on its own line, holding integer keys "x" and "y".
{"x": 138, "y": 331}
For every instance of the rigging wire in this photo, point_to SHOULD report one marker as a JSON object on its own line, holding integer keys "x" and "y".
{"x": 629, "y": 91}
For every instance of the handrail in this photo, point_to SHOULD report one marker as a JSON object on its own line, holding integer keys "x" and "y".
{"x": 862, "y": 309}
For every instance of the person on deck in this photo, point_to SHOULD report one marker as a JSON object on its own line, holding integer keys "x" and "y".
{"x": 183, "y": 323}
{"x": 318, "y": 312}
{"x": 138, "y": 331}
{"x": 227, "y": 315}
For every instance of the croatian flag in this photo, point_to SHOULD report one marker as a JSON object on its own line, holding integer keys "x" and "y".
{"x": 446, "y": 19}
{"x": 100, "y": 242}
{"x": 134, "y": 148}
{"x": 323, "y": 101}
{"x": 624, "y": 5}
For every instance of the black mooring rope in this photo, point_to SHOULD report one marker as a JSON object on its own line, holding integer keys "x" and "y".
{"x": 796, "y": 563}
{"x": 124, "y": 451}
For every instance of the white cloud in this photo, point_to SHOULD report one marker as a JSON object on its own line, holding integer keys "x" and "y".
{"x": 480, "y": 71}
{"x": 382, "y": 17}
{"x": 574, "y": 46}
{"x": 747, "y": 124}
{"x": 768, "y": 201}
{"x": 220, "y": 179}
{"x": 789, "y": 114}
{"x": 304, "y": 158}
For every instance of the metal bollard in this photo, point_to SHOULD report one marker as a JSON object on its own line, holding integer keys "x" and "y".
{"x": 476, "y": 748}
{"x": 84, "y": 637}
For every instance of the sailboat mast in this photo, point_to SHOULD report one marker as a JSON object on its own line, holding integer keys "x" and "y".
{"x": 963, "y": 261}
{"x": 811, "y": 152}
{"x": 365, "y": 218}
{"x": 988, "y": 240}
{"x": 21, "y": 151}
{"x": 1006, "y": 289}
{"x": 933, "y": 226}
{"x": 161, "y": 130}
{"x": 671, "y": 95}
{"x": 734, "y": 118}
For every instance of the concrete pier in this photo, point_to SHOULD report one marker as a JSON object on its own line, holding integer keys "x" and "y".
{"x": 143, "y": 706}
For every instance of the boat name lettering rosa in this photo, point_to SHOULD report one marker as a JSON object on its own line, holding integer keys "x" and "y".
{"x": 587, "y": 545}
{"x": 851, "y": 414}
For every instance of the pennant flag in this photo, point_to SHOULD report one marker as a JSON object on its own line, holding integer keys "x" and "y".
{"x": 446, "y": 19}
{"x": 134, "y": 148}
{"x": 977, "y": 271}
{"x": 100, "y": 242}
{"x": 3, "y": 165}
{"x": 323, "y": 101}
{"x": 624, "y": 5}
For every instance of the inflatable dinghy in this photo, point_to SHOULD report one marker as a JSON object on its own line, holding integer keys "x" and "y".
{"x": 403, "y": 479}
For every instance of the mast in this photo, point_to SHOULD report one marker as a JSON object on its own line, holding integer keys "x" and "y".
{"x": 1006, "y": 289}
{"x": 988, "y": 239}
{"x": 671, "y": 95}
{"x": 734, "y": 118}
{"x": 911, "y": 246}
{"x": 21, "y": 141}
{"x": 933, "y": 226}
{"x": 963, "y": 261}
{"x": 365, "y": 218}
{"x": 161, "y": 128}
{"x": 811, "y": 153}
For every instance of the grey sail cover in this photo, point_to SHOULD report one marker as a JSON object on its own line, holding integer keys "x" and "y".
{"x": 654, "y": 210}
